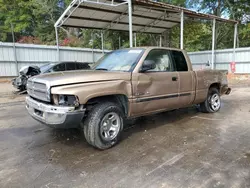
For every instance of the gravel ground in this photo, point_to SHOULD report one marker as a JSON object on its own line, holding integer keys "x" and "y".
{"x": 182, "y": 148}
{"x": 9, "y": 94}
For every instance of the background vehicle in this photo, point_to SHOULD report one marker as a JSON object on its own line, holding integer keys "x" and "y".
{"x": 125, "y": 83}
{"x": 64, "y": 66}
{"x": 29, "y": 71}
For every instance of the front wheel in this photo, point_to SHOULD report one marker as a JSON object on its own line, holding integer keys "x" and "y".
{"x": 103, "y": 125}
{"x": 212, "y": 103}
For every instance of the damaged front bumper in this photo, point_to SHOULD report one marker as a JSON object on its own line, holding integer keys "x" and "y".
{"x": 54, "y": 116}
{"x": 17, "y": 82}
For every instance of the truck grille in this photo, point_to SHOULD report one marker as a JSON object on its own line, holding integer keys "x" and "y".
{"x": 37, "y": 90}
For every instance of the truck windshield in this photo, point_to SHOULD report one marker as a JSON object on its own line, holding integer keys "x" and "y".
{"x": 119, "y": 60}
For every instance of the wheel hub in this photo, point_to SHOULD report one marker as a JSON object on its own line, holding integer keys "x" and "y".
{"x": 215, "y": 102}
{"x": 110, "y": 126}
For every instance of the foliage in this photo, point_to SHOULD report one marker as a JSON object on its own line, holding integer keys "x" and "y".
{"x": 33, "y": 22}
{"x": 29, "y": 40}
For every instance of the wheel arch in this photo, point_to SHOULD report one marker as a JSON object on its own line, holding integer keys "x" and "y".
{"x": 217, "y": 86}
{"x": 120, "y": 99}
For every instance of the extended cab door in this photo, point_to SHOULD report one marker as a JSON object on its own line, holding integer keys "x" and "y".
{"x": 156, "y": 89}
{"x": 186, "y": 78}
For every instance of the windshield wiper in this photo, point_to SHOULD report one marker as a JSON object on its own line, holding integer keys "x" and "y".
{"x": 101, "y": 69}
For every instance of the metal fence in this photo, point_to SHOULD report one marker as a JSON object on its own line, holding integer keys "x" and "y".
{"x": 223, "y": 58}
{"x": 12, "y": 58}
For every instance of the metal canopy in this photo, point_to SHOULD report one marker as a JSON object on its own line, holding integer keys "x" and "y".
{"x": 147, "y": 16}
{"x": 138, "y": 16}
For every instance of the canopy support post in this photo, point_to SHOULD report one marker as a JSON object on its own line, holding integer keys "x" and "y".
{"x": 119, "y": 41}
{"x": 182, "y": 29}
{"x": 160, "y": 41}
{"x": 135, "y": 39}
{"x": 130, "y": 23}
{"x": 235, "y": 40}
{"x": 102, "y": 42}
{"x": 213, "y": 43}
{"x": 57, "y": 44}
{"x": 14, "y": 48}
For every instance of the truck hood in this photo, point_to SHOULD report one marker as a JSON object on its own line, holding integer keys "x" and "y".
{"x": 82, "y": 76}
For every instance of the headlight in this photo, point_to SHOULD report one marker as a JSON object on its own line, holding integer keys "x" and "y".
{"x": 66, "y": 100}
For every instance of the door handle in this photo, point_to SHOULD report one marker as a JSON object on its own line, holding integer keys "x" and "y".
{"x": 174, "y": 78}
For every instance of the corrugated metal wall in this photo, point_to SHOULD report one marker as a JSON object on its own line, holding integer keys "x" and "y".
{"x": 28, "y": 54}
{"x": 223, "y": 58}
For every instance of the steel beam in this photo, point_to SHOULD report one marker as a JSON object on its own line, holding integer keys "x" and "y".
{"x": 135, "y": 39}
{"x": 154, "y": 22}
{"x": 160, "y": 40}
{"x": 119, "y": 42}
{"x": 14, "y": 48}
{"x": 107, "y": 21}
{"x": 100, "y": 28}
{"x": 213, "y": 43}
{"x": 181, "y": 30}
{"x": 57, "y": 44}
{"x": 235, "y": 40}
{"x": 67, "y": 13}
{"x": 118, "y": 12}
{"x": 130, "y": 23}
{"x": 116, "y": 20}
{"x": 102, "y": 42}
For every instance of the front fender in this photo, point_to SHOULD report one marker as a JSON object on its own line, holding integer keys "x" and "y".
{"x": 87, "y": 91}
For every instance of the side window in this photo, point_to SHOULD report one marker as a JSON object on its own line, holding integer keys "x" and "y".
{"x": 59, "y": 67}
{"x": 70, "y": 66}
{"x": 180, "y": 61}
{"x": 162, "y": 60}
{"x": 82, "y": 66}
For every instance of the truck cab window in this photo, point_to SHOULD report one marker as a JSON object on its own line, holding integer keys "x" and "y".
{"x": 180, "y": 61}
{"x": 162, "y": 60}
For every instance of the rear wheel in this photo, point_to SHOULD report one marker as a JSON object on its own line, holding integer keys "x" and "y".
{"x": 103, "y": 125}
{"x": 212, "y": 103}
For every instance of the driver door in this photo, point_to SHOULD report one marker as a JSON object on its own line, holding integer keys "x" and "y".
{"x": 157, "y": 89}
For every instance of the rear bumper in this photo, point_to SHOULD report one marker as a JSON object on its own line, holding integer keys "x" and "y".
{"x": 226, "y": 90}
{"x": 54, "y": 116}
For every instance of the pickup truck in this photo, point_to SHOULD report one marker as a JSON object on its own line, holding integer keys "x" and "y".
{"x": 123, "y": 84}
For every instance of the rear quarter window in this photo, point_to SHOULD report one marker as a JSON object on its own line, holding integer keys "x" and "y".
{"x": 179, "y": 61}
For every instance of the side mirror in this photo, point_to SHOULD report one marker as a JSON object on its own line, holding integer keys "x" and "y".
{"x": 148, "y": 65}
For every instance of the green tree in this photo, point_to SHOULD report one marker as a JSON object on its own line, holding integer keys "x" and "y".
{"x": 18, "y": 13}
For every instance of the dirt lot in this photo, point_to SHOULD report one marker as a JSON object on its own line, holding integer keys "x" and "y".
{"x": 182, "y": 148}
{"x": 9, "y": 94}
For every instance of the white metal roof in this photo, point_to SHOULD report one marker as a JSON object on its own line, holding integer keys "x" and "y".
{"x": 148, "y": 16}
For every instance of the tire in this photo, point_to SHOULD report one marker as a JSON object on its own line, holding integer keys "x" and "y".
{"x": 103, "y": 125}
{"x": 212, "y": 103}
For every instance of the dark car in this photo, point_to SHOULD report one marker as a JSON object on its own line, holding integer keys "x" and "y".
{"x": 64, "y": 66}
{"x": 29, "y": 71}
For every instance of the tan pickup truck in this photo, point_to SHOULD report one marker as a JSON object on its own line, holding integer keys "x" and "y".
{"x": 124, "y": 83}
